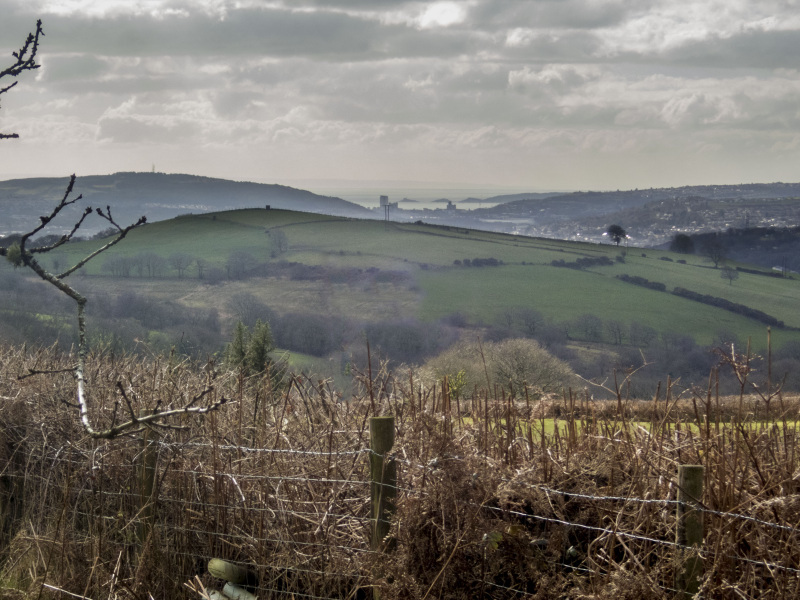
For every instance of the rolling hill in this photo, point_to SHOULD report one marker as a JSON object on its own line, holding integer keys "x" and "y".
{"x": 430, "y": 262}
{"x": 327, "y": 284}
{"x": 158, "y": 195}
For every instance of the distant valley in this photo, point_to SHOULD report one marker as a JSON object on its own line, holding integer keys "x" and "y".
{"x": 651, "y": 217}
{"x": 326, "y": 283}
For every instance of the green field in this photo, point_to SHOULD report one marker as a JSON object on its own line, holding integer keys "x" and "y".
{"x": 437, "y": 287}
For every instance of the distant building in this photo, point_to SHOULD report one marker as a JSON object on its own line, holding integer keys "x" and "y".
{"x": 450, "y": 205}
{"x": 386, "y": 204}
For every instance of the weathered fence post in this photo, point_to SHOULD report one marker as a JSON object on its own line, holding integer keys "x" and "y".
{"x": 690, "y": 528}
{"x": 383, "y": 474}
{"x": 147, "y": 478}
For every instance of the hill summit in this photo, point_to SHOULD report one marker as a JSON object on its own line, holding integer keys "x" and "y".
{"x": 158, "y": 195}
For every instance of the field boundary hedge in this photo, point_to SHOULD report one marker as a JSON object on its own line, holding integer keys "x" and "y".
{"x": 734, "y": 307}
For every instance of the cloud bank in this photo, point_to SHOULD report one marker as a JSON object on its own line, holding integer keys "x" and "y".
{"x": 551, "y": 94}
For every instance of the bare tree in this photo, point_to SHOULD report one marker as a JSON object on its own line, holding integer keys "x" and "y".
{"x": 715, "y": 251}
{"x": 641, "y": 335}
{"x": 153, "y": 263}
{"x": 590, "y": 326}
{"x": 201, "y": 265}
{"x": 730, "y": 274}
{"x": 25, "y": 60}
{"x": 616, "y": 330}
{"x": 278, "y": 241}
{"x": 532, "y": 320}
{"x": 20, "y": 255}
{"x": 181, "y": 261}
{"x": 239, "y": 263}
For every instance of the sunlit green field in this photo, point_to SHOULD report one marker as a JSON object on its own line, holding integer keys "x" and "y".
{"x": 438, "y": 287}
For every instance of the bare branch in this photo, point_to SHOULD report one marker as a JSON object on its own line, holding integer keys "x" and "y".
{"x": 616, "y": 391}
{"x": 21, "y": 256}
{"x": 5, "y": 89}
{"x": 26, "y": 56}
{"x": 64, "y": 238}
{"x": 28, "y": 259}
{"x": 122, "y": 233}
{"x": 34, "y": 372}
{"x": 25, "y": 61}
{"x": 44, "y": 220}
{"x": 139, "y": 423}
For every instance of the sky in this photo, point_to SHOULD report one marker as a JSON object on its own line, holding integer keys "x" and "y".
{"x": 536, "y": 95}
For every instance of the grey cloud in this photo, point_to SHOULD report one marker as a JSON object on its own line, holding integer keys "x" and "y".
{"x": 118, "y": 79}
{"x": 438, "y": 97}
{"x": 549, "y": 47}
{"x": 326, "y": 36}
{"x": 243, "y": 32}
{"x": 551, "y": 80}
{"x": 750, "y": 49}
{"x": 234, "y": 103}
{"x": 550, "y": 14}
{"x": 372, "y": 5}
{"x": 81, "y": 67}
{"x": 129, "y": 130}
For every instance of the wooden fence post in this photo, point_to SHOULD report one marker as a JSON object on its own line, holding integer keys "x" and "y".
{"x": 690, "y": 528}
{"x": 146, "y": 474}
{"x": 383, "y": 475}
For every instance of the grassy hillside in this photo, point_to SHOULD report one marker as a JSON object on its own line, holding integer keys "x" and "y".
{"x": 317, "y": 239}
{"x": 437, "y": 287}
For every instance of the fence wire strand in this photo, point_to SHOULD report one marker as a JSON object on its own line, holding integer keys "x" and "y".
{"x": 226, "y": 501}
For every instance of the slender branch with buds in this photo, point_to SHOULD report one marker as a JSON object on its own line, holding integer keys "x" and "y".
{"x": 742, "y": 367}
{"x": 20, "y": 255}
{"x": 618, "y": 388}
{"x": 24, "y": 60}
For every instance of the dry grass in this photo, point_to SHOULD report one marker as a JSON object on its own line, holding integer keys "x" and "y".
{"x": 488, "y": 506}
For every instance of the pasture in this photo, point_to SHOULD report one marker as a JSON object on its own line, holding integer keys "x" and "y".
{"x": 438, "y": 286}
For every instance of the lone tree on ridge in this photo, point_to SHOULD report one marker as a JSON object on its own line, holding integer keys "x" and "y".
{"x": 616, "y": 233}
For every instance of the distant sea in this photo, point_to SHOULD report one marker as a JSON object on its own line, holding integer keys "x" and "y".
{"x": 409, "y": 197}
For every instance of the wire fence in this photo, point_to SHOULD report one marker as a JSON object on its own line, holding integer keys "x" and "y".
{"x": 492, "y": 499}
{"x": 301, "y": 518}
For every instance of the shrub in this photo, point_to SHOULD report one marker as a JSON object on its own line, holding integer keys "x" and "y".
{"x": 584, "y": 262}
{"x": 517, "y": 362}
{"x": 641, "y": 281}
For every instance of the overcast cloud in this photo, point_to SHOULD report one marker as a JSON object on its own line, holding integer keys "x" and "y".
{"x": 550, "y": 94}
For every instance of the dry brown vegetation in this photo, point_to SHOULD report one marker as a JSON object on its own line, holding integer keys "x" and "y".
{"x": 493, "y": 500}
